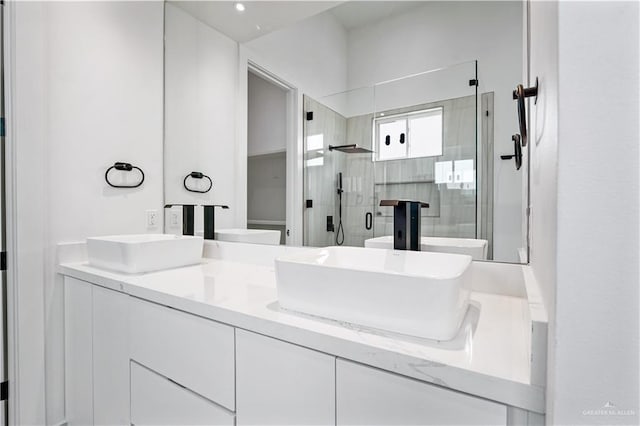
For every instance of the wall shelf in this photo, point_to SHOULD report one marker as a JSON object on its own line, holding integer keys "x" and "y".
{"x": 266, "y": 222}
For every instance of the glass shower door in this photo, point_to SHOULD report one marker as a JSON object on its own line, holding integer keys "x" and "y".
{"x": 338, "y": 169}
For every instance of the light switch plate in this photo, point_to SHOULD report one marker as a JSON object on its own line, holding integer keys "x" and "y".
{"x": 152, "y": 219}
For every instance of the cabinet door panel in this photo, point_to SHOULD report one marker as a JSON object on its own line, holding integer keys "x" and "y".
{"x": 282, "y": 384}
{"x": 157, "y": 401}
{"x": 367, "y": 396}
{"x": 110, "y": 357}
{"x": 78, "y": 352}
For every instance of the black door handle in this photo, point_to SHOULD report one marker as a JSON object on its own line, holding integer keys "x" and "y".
{"x": 368, "y": 221}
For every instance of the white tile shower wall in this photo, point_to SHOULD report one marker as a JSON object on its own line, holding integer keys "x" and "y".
{"x": 200, "y": 111}
{"x": 452, "y": 210}
{"x": 87, "y": 92}
{"x": 359, "y": 194}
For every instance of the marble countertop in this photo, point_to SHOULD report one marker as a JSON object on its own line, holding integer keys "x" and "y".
{"x": 489, "y": 358}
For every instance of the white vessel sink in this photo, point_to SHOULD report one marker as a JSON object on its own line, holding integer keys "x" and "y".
{"x": 144, "y": 252}
{"x": 475, "y": 248}
{"x": 252, "y": 236}
{"x": 415, "y": 293}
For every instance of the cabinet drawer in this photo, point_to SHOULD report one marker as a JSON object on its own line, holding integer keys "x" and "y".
{"x": 155, "y": 400}
{"x": 193, "y": 351}
{"x": 367, "y": 396}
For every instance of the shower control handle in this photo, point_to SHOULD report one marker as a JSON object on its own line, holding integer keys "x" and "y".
{"x": 330, "y": 226}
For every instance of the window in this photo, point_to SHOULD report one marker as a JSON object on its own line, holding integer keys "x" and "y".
{"x": 315, "y": 151}
{"x": 410, "y": 135}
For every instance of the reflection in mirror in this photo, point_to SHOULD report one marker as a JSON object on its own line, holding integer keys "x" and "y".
{"x": 338, "y": 180}
{"x": 332, "y": 107}
{"x": 412, "y": 129}
{"x": 199, "y": 119}
{"x": 436, "y": 113}
{"x": 267, "y": 154}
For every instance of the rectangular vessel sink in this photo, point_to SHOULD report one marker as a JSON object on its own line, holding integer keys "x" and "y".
{"x": 144, "y": 252}
{"x": 475, "y": 248}
{"x": 253, "y": 236}
{"x": 415, "y": 293}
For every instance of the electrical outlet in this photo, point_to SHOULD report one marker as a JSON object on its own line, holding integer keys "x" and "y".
{"x": 152, "y": 219}
{"x": 174, "y": 220}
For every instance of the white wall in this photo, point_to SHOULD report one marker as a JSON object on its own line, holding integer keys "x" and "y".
{"x": 585, "y": 208}
{"x": 87, "y": 91}
{"x": 311, "y": 55}
{"x": 200, "y": 114}
{"x": 267, "y": 130}
{"x": 597, "y": 348}
{"x": 543, "y": 162}
{"x": 440, "y": 34}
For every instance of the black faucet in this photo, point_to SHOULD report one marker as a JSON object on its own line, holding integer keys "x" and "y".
{"x": 210, "y": 220}
{"x": 406, "y": 223}
{"x": 188, "y": 219}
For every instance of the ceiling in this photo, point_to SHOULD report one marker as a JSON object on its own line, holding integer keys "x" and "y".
{"x": 258, "y": 19}
{"x": 354, "y": 14}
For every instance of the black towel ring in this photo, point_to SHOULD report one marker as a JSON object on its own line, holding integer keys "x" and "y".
{"x": 197, "y": 175}
{"x": 127, "y": 168}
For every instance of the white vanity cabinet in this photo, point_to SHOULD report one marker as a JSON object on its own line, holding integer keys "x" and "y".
{"x": 368, "y": 396}
{"x": 132, "y": 361}
{"x": 279, "y": 383}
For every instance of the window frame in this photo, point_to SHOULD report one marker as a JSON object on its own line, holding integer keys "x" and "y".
{"x": 407, "y": 116}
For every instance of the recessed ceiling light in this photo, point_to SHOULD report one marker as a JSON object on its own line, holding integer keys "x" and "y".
{"x": 240, "y": 7}
{"x": 258, "y": 27}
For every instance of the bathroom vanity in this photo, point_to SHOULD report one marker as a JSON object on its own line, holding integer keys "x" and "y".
{"x": 209, "y": 344}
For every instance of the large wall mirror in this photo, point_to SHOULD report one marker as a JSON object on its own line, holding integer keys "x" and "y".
{"x": 305, "y": 115}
